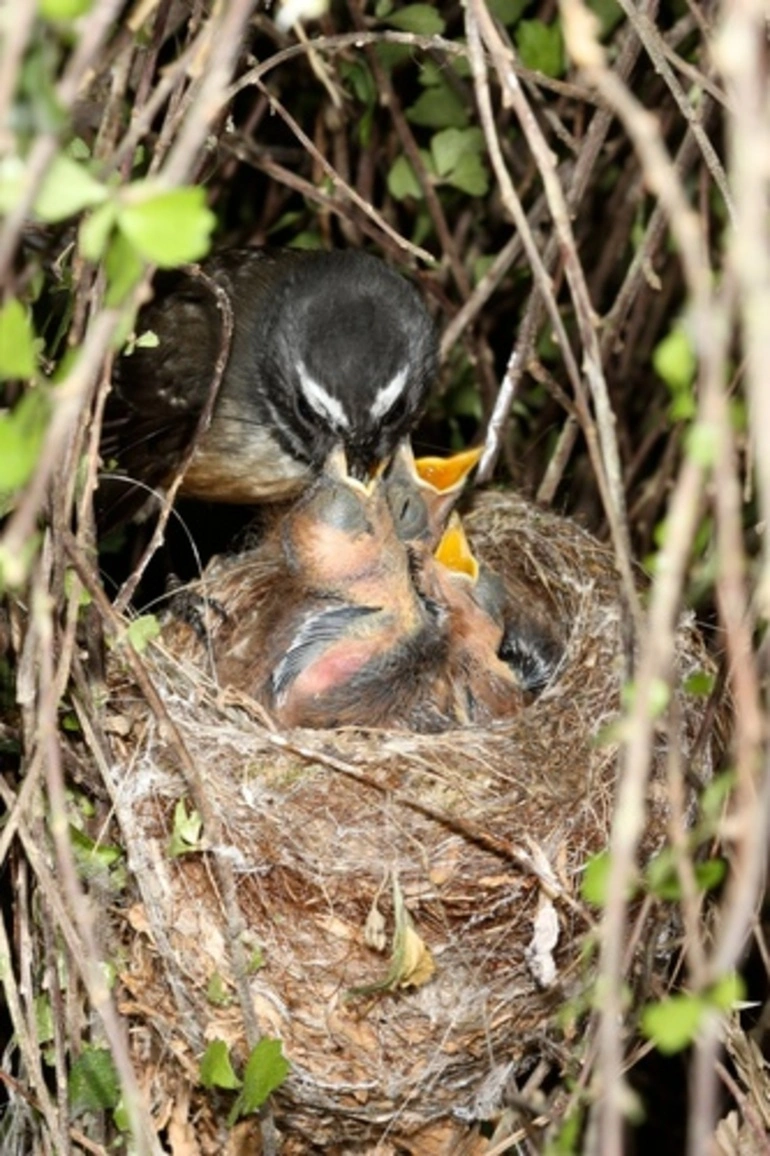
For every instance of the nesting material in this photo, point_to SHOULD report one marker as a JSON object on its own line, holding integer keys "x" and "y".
{"x": 465, "y": 847}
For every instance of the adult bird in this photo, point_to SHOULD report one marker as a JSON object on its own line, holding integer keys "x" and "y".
{"x": 328, "y": 348}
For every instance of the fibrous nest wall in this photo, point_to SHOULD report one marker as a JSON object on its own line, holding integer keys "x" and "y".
{"x": 483, "y": 834}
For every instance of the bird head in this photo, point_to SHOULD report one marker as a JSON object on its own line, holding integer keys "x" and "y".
{"x": 347, "y": 353}
{"x": 423, "y": 492}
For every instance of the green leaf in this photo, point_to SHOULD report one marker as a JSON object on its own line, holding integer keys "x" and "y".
{"x": 673, "y": 1023}
{"x": 17, "y": 341}
{"x": 93, "y": 1082}
{"x": 700, "y": 683}
{"x": 507, "y": 11}
{"x": 683, "y": 406}
{"x": 567, "y": 1141}
{"x": 715, "y": 794}
{"x": 358, "y": 77}
{"x": 15, "y": 565}
{"x": 609, "y": 12}
{"x": 422, "y": 19}
{"x": 739, "y": 414}
{"x": 727, "y": 992}
{"x": 256, "y": 961}
{"x": 463, "y": 400}
{"x": 402, "y": 180}
{"x": 661, "y": 877}
{"x": 703, "y": 443}
{"x": 167, "y": 228}
{"x": 595, "y": 877}
{"x": 63, "y": 9}
{"x": 93, "y": 859}
{"x": 439, "y": 107}
{"x": 674, "y": 361}
{"x": 431, "y": 73}
{"x": 470, "y": 176}
{"x": 78, "y": 149}
{"x": 22, "y": 432}
{"x": 449, "y": 146}
{"x": 186, "y": 832}
{"x": 72, "y": 582}
{"x": 658, "y": 698}
{"x": 391, "y": 56}
{"x": 306, "y": 239}
{"x": 541, "y": 47}
{"x": 216, "y": 1071}
{"x": 266, "y": 1070}
{"x": 95, "y": 230}
{"x": 67, "y": 189}
{"x": 141, "y": 631}
{"x": 481, "y": 267}
{"x": 124, "y": 268}
{"x": 663, "y": 880}
{"x": 710, "y": 874}
{"x": 217, "y": 991}
{"x": 12, "y": 178}
{"x": 120, "y": 1116}
{"x": 43, "y": 1018}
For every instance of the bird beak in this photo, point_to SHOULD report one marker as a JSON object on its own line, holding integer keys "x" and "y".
{"x": 447, "y": 475}
{"x": 454, "y": 552}
{"x": 337, "y": 468}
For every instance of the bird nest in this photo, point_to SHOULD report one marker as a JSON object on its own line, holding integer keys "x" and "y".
{"x": 410, "y": 904}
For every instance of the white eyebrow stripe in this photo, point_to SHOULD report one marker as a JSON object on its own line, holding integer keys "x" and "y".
{"x": 319, "y": 399}
{"x": 388, "y": 394}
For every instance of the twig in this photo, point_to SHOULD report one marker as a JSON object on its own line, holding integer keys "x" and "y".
{"x": 517, "y": 364}
{"x": 480, "y": 295}
{"x": 389, "y": 98}
{"x": 366, "y": 208}
{"x": 13, "y": 1002}
{"x": 86, "y": 951}
{"x": 143, "y": 117}
{"x": 434, "y": 45}
{"x": 207, "y": 99}
{"x": 653, "y": 43}
{"x": 658, "y": 638}
{"x": 318, "y": 195}
{"x": 16, "y": 34}
{"x": 641, "y": 264}
{"x": 480, "y": 24}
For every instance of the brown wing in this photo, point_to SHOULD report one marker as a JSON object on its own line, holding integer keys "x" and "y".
{"x": 160, "y": 390}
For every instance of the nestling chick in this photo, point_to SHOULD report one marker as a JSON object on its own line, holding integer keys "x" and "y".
{"x": 324, "y": 624}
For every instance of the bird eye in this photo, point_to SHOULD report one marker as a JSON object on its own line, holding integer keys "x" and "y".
{"x": 304, "y": 410}
{"x": 397, "y": 412}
